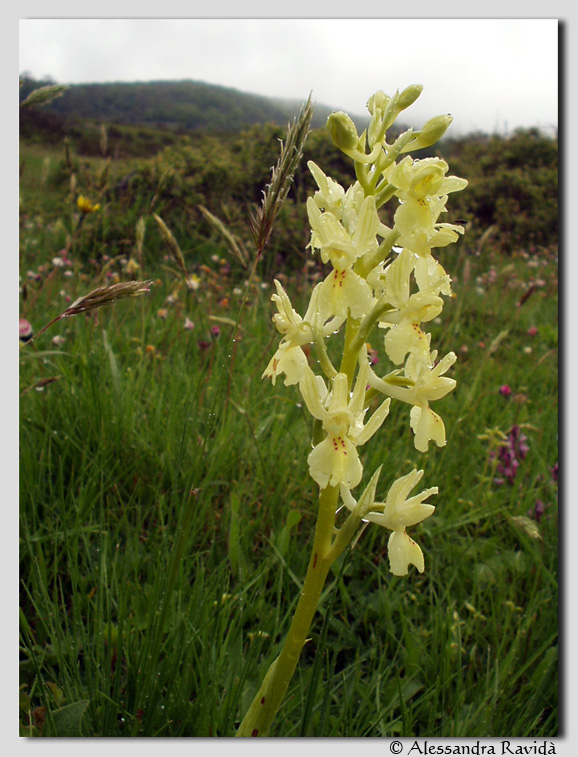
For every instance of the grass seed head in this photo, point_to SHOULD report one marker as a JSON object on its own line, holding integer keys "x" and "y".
{"x": 107, "y": 295}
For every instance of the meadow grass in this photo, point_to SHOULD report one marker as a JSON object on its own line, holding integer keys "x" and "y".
{"x": 167, "y": 512}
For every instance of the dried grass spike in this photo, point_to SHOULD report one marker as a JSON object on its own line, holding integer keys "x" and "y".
{"x": 261, "y": 221}
{"x": 43, "y": 95}
{"x": 174, "y": 249}
{"x": 233, "y": 242}
{"x": 106, "y": 295}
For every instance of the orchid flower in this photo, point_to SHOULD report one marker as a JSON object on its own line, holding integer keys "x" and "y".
{"x": 335, "y": 460}
{"x": 396, "y": 514}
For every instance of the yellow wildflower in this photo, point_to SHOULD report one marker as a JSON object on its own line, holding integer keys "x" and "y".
{"x": 85, "y": 205}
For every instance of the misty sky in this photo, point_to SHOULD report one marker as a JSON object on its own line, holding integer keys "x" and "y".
{"x": 492, "y": 75}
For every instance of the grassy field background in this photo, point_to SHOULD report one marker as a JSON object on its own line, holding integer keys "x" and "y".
{"x": 166, "y": 511}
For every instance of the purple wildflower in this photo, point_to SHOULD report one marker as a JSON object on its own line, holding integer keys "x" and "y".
{"x": 513, "y": 450}
{"x": 518, "y": 442}
{"x": 538, "y": 510}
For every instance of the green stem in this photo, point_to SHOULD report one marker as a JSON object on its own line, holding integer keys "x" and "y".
{"x": 384, "y": 192}
{"x": 266, "y": 702}
{"x": 345, "y": 535}
{"x": 361, "y": 174}
{"x": 365, "y": 265}
{"x": 366, "y": 326}
{"x": 324, "y": 362}
{"x": 349, "y": 358}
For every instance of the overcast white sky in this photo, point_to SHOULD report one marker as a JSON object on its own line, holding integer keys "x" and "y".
{"x": 492, "y": 75}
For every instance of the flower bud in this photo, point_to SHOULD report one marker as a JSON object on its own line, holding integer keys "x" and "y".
{"x": 431, "y": 131}
{"x": 408, "y": 96}
{"x": 342, "y": 131}
{"x": 378, "y": 100}
{"x": 399, "y": 102}
{"x": 434, "y": 129}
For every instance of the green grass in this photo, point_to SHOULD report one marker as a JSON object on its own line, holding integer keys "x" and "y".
{"x": 167, "y": 513}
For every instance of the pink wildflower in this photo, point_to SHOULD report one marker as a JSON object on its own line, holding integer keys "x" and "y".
{"x": 25, "y": 330}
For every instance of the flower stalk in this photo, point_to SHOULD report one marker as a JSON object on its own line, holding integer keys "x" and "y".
{"x": 379, "y": 277}
{"x": 266, "y": 702}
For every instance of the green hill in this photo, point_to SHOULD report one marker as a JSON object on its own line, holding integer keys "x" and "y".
{"x": 175, "y": 105}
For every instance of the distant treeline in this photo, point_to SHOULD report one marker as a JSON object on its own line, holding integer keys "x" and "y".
{"x": 513, "y": 180}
